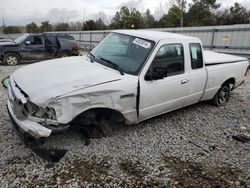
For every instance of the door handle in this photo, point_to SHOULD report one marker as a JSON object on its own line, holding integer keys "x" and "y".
{"x": 184, "y": 81}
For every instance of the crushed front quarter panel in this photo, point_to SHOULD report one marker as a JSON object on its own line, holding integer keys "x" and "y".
{"x": 68, "y": 106}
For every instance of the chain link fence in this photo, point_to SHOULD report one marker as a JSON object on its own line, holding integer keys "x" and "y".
{"x": 234, "y": 39}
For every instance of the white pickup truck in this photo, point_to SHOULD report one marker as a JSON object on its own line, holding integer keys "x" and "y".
{"x": 129, "y": 76}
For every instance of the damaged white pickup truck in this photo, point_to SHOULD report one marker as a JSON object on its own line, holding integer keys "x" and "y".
{"x": 129, "y": 76}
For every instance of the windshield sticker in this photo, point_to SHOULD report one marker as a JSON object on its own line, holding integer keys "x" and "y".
{"x": 142, "y": 43}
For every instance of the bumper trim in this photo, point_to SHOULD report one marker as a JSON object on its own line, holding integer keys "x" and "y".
{"x": 49, "y": 155}
{"x": 26, "y": 137}
{"x": 33, "y": 128}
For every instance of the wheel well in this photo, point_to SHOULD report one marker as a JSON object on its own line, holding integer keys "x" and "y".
{"x": 13, "y": 53}
{"x": 110, "y": 114}
{"x": 230, "y": 81}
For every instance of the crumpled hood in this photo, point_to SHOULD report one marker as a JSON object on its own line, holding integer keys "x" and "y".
{"x": 49, "y": 79}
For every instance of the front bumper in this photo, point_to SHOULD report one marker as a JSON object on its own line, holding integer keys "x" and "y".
{"x": 26, "y": 137}
{"x": 26, "y": 126}
{"x": 35, "y": 144}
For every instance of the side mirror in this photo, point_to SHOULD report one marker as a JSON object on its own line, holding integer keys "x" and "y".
{"x": 27, "y": 43}
{"x": 156, "y": 73}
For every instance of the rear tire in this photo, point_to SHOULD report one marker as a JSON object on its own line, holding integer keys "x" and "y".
{"x": 11, "y": 59}
{"x": 222, "y": 96}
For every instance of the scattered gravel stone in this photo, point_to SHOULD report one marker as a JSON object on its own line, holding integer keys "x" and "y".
{"x": 190, "y": 147}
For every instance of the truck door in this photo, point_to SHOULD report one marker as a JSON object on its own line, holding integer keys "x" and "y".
{"x": 168, "y": 89}
{"x": 51, "y": 46}
{"x": 198, "y": 74}
{"x": 33, "y": 48}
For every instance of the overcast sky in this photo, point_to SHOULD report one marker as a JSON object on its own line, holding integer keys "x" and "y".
{"x": 21, "y": 12}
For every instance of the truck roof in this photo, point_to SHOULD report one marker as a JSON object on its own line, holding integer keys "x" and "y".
{"x": 153, "y": 35}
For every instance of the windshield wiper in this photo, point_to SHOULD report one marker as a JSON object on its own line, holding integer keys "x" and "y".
{"x": 115, "y": 66}
{"x": 91, "y": 57}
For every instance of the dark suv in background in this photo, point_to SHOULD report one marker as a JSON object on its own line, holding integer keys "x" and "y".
{"x": 38, "y": 47}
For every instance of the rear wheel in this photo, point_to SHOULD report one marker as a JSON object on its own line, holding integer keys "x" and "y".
{"x": 222, "y": 95}
{"x": 11, "y": 59}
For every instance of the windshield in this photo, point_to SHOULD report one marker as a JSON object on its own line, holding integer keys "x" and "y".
{"x": 21, "y": 38}
{"x": 127, "y": 52}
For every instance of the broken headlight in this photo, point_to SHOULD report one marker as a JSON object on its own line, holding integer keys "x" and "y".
{"x": 39, "y": 112}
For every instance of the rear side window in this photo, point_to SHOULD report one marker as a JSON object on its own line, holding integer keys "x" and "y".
{"x": 196, "y": 56}
{"x": 35, "y": 40}
{"x": 51, "y": 40}
{"x": 171, "y": 58}
{"x": 65, "y": 36}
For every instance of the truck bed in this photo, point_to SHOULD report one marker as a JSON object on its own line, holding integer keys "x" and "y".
{"x": 224, "y": 67}
{"x": 213, "y": 58}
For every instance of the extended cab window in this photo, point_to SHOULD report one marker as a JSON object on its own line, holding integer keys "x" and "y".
{"x": 171, "y": 58}
{"x": 51, "y": 40}
{"x": 196, "y": 56}
{"x": 35, "y": 40}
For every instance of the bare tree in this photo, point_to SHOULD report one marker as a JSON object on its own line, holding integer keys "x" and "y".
{"x": 75, "y": 26}
{"x": 103, "y": 16}
{"x": 169, "y": 7}
{"x": 182, "y": 6}
{"x": 159, "y": 12}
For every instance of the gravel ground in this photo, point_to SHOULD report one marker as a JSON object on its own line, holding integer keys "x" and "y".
{"x": 191, "y": 147}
